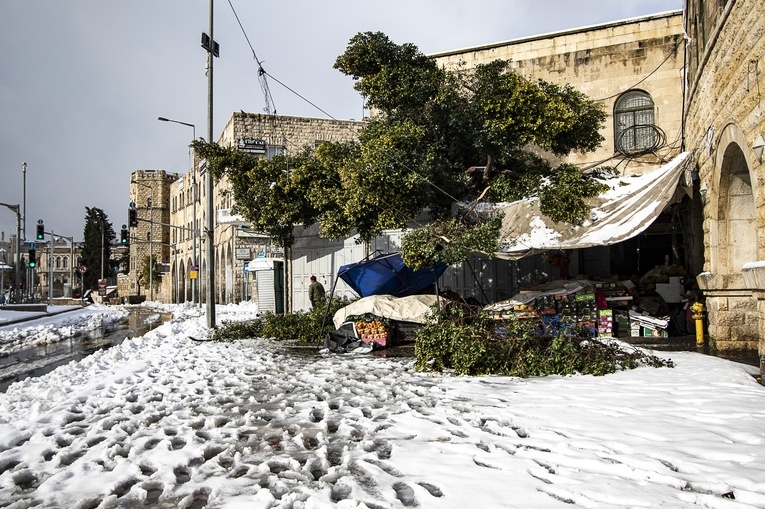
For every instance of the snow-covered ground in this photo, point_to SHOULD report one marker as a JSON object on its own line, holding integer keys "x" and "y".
{"x": 163, "y": 421}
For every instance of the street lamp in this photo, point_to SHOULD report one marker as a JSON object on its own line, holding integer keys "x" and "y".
{"x": 3, "y": 266}
{"x": 151, "y": 237}
{"x": 194, "y": 199}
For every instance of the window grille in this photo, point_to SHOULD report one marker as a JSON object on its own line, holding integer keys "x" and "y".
{"x": 634, "y": 129}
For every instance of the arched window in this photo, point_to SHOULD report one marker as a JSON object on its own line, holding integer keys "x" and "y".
{"x": 58, "y": 262}
{"x": 634, "y": 129}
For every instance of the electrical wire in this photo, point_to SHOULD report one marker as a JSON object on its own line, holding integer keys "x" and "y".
{"x": 261, "y": 72}
{"x": 646, "y": 76}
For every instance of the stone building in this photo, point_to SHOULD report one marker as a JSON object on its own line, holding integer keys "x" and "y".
{"x": 171, "y": 211}
{"x": 61, "y": 265}
{"x": 150, "y": 238}
{"x": 724, "y": 127}
{"x": 264, "y": 136}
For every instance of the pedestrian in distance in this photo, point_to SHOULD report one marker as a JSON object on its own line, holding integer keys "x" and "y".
{"x": 316, "y": 293}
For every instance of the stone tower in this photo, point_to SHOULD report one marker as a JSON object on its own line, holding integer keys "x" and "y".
{"x": 150, "y": 193}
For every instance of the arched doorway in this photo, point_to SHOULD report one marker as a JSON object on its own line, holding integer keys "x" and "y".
{"x": 182, "y": 286}
{"x": 736, "y": 213}
{"x": 731, "y": 283}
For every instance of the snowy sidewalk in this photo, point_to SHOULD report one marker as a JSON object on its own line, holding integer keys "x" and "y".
{"x": 162, "y": 421}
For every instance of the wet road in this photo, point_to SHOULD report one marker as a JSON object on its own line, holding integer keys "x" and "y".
{"x": 44, "y": 358}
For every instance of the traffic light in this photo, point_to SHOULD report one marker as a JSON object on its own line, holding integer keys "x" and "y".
{"x": 132, "y": 218}
{"x": 40, "y": 231}
{"x": 32, "y": 261}
{"x": 124, "y": 236}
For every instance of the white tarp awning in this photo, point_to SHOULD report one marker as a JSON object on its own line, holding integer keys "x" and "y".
{"x": 624, "y": 211}
{"x": 414, "y": 308}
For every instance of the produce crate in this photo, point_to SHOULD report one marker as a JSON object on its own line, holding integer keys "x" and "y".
{"x": 374, "y": 332}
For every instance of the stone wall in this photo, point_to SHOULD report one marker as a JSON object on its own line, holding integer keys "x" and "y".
{"x": 724, "y": 115}
{"x": 603, "y": 62}
{"x": 292, "y": 133}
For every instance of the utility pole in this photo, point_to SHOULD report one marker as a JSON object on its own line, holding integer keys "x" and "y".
{"x": 212, "y": 51}
{"x": 24, "y": 214}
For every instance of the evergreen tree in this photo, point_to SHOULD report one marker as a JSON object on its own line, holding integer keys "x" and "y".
{"x": 437, "y": 137}
{"x": 98, "y": 237}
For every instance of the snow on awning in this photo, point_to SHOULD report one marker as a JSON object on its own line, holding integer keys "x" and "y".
{"x": 624, "y": 211}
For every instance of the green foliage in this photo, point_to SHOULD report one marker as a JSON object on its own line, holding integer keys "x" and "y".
{"x": 563, "y": 198}
{"x": 145, "y": 276}
{"x": 303, "y": 326}
{"x": 430, "y": 126}
{"x": 474, "y": 344}
{"x": 449, "y": 241}
{"x": 562, "y": 192}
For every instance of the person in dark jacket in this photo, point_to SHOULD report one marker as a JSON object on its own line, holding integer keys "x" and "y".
{"x": 316, "y": 293}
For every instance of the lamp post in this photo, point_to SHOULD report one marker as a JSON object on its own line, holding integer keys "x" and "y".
{"x": 194, "y": 200}
{"x": 3, "y": 266}
{"x": 151, "y": 237}
{"x": 24, "y": 210}
{"x": 24, "y": 219}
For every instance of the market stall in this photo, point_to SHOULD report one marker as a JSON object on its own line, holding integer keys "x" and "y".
{"x": 613, "y": 308}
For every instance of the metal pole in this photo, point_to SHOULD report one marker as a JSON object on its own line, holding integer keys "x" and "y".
{"x": 24, "y": 218}
{"x": 71, "y": 265}
{"x": 2, "y": 276}
{"x": 151, "y": 246}
{"x": 17, "y": 291}
{"x": 50, "y": 271}
{"x": 175, "y": 262}
{"x": 210, "y": 189}
{"x": 195, "y": 197}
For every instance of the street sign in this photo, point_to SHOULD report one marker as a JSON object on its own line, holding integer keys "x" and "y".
{"x": 252, "y": 146}
{"x": 82, "y": 269}
{"x": 31, "y": 245}
{"x": 193, "y": 272}
{"x": 102, "y": 287}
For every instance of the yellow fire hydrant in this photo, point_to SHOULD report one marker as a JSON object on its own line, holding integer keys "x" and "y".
{"x": 697, "y": 310}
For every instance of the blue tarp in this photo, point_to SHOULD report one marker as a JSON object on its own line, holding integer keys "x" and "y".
{"x": 386, "y": 274}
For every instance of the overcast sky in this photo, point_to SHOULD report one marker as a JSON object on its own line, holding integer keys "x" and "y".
{"x": 82, "y": 82}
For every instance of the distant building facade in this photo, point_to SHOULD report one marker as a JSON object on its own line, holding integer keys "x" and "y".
{"x": 171, "y": 211}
